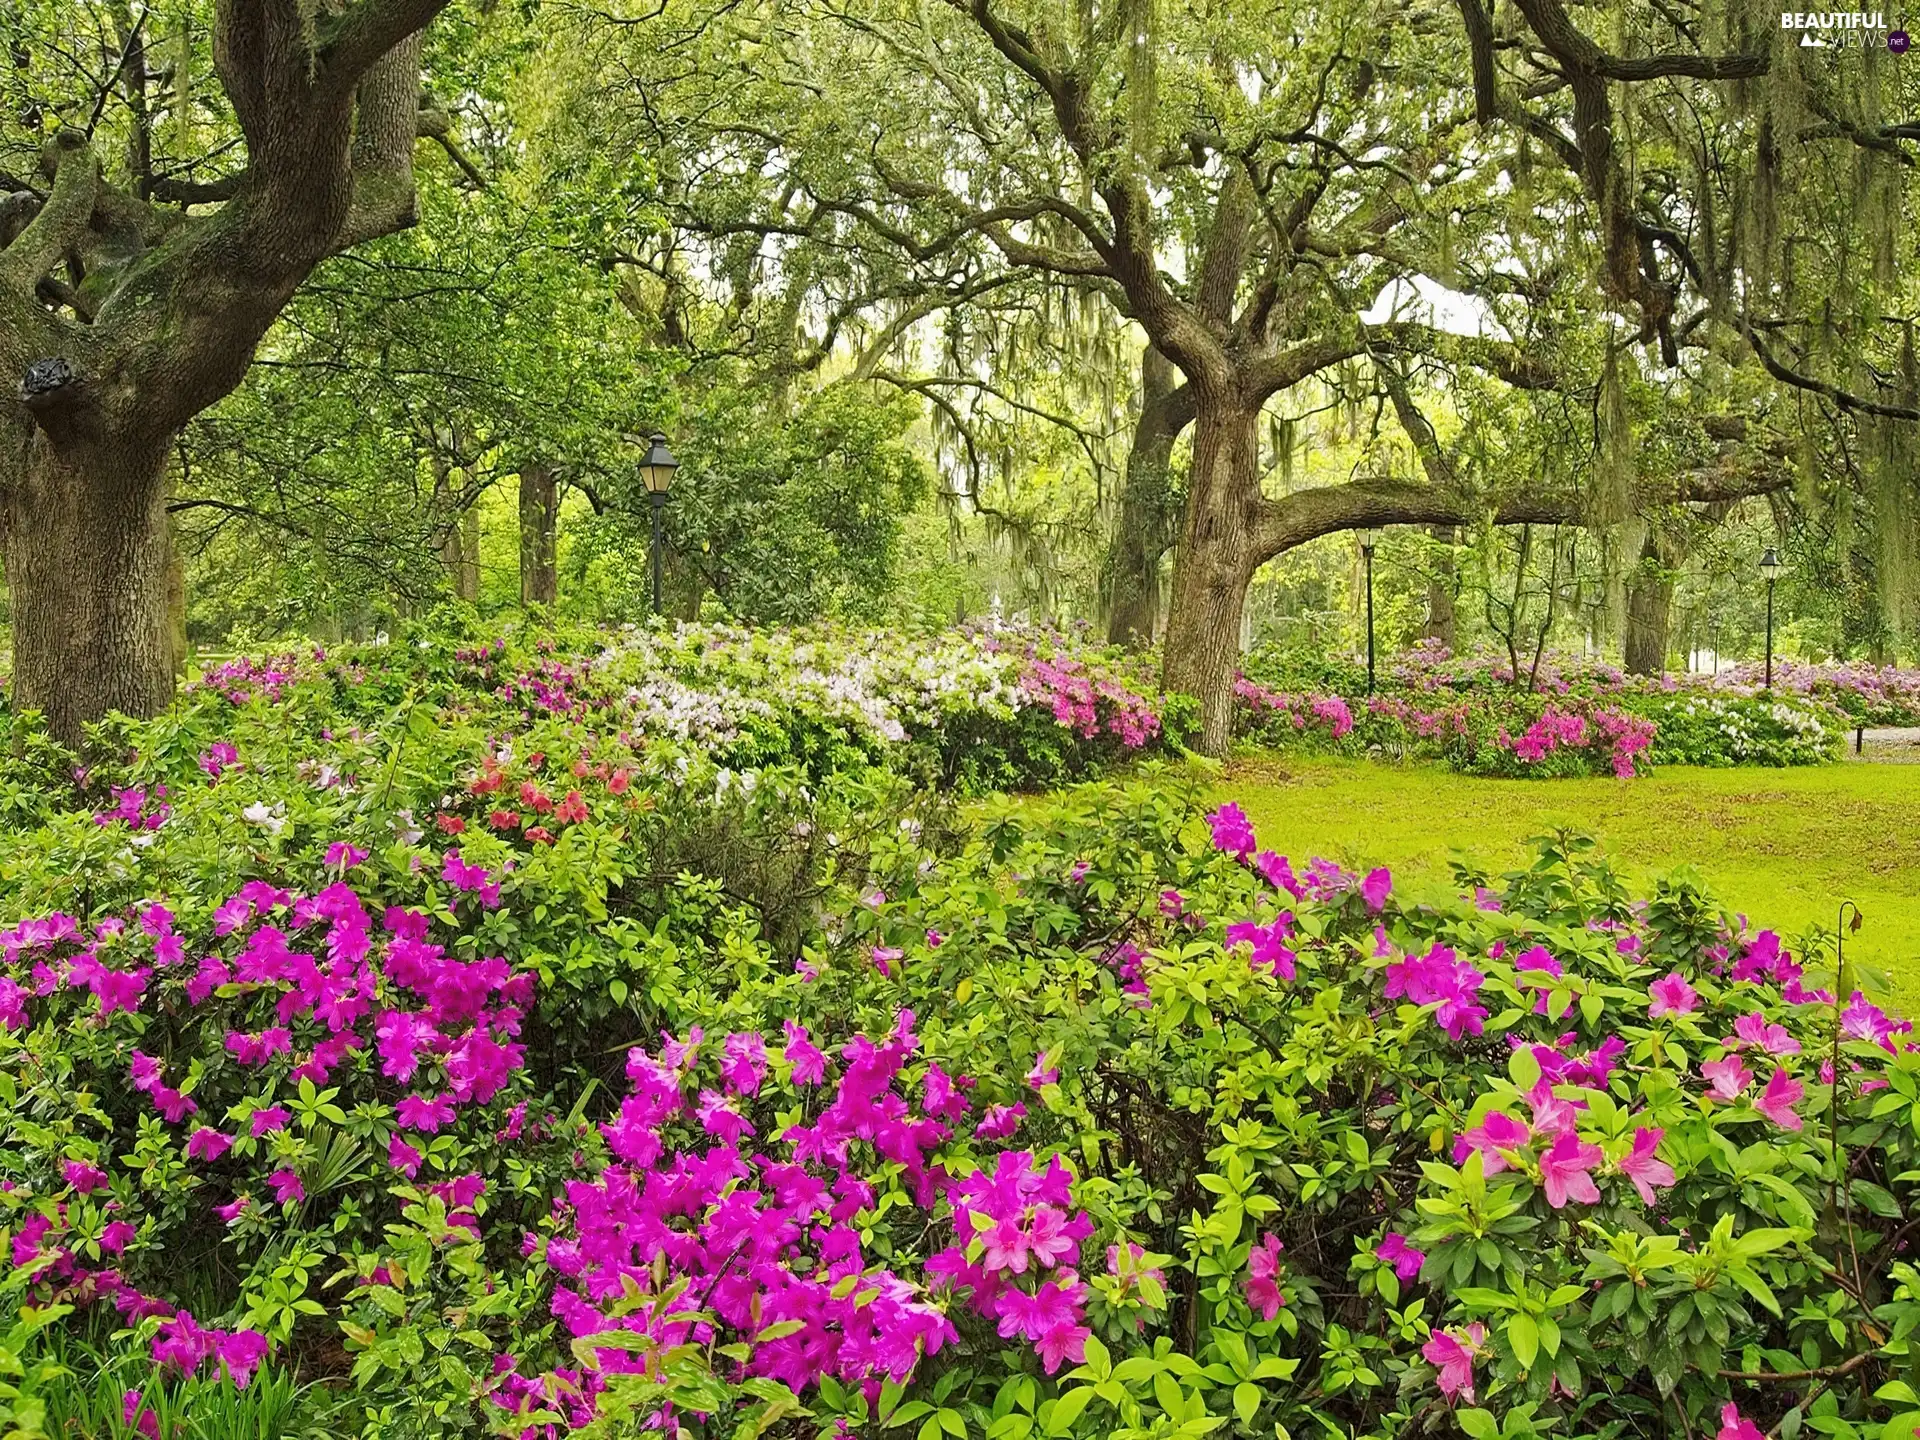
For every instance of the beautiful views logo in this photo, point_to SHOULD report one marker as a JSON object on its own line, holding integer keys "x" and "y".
{"x": 1843, "y": 29}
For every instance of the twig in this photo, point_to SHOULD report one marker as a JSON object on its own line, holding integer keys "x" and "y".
{"x": 1770, "y": 1377}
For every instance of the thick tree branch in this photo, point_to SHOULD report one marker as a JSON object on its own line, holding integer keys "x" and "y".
{"x": 62, "y": 220}
{"x": 1294, "y": 519}
{"x": 369, "y": 31}
{"x": 1287, "y": 368}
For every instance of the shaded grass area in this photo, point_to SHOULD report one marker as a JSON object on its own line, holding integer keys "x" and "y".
{"x": 1782, "y": 846}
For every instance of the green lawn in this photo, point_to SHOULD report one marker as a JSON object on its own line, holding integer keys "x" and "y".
{"x": 1784, "y": 846}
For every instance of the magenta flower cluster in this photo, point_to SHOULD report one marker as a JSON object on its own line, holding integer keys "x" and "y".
{"x": 698, "y": 1231}
{"x": 328, "y": 969}
{"x": 1328, "y": 712}
{"x": 1621, "y": 736}
{"x": 1077, "y": 696}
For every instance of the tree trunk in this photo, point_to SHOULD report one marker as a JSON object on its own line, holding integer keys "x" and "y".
{"x": 1649, "y": 612}
{"x": 1148, "y": 515}
{"x": 1442, "y": 588}
{"x": 466, "y": 580}
{"x": 87, "y": 559}
{"x": 1215, "y": 563}
{"x": 539, "y": 535}
{"x": 177, "y": 646}
{"x": 460, "y": 540}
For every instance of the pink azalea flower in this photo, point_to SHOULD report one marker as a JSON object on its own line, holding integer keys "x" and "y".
{"x": 1564, "y": 1171}
{"x": 403, "y": 1157}
{"x": 1551, "y": 1115}
{"x": 209, "y": 1144}
{"x": 85, "y": 1179}
{"x": 1454, "y": 1352}
{"x": 1757, "y": 1031}
{"x": 240, "y": 1355}
{"x": 1394, "y": 1250}
{"x": 1005, "y": 1247}
{"x": 1494, "y": 1137}
{"x": 809, "y": 1065}
{"x": 1000, "y": 1122}
{"x": 1646, "y": 1170}
{"x": 269, "y": 1119}
{"x": 744, "y": 1063}
{"x": 180, "y": 1341}
{"x": 231, "y": 1212}
{"x": 1776, "y": 1102}
{"x": 136, "y": 1416}
{"x": 1263, "y": 1277}
{"x": 1268, "y": 942}
{"x": 424, "y": 1112}
{"x": 1440, "y": 977}
{"x": 1672, "y": 996}
{"x": 1042, "y": 1074}
{"x": 116, "y": 1237}
{"x": 1376, "y": 887}
{"x": 1862, "y": 1020}
{"x": 1277, "y": 871}
{"x": 342, "y": 856}
{"x": 173, "y": 1104}
{"x": 1232, "y": 831}
{"x": 287, "y": 1189}
{"x": 721, "y": 1118}
{"x": 883, "y": 958}
{"x": 1728, "y": 1076}
{"x": 1734, "y": 1426}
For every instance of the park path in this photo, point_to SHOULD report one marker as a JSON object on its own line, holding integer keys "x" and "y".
{"x": 1887, "y": 745}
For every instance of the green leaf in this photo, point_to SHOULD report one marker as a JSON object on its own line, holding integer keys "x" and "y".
{"x": 1246, "y": 1400}
{"x": 1876, "y": 1199}
{"x": 1098, "y": 1360}
{"x": 1166, "y": 1390}
{"x": 1068, "y": 1409}
{"x": 1524, "y": 1335}
{"x": 1478, "y": 1423}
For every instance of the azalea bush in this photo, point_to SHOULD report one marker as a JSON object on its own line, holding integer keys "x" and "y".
{"x": 461, "y": 1062}
{"x": 1570, "y": 717}
{"x": 1090, "y": 1118}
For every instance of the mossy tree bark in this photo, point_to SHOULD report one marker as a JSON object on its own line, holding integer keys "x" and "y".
{"x": 1149, "y": 515}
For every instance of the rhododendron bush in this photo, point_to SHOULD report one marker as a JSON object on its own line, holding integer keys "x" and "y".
{"x": 494, "y": 1068}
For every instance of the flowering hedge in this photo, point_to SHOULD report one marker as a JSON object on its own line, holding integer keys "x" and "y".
{"x": 1580, "y": 718}
{"x": 490, "y": 1064}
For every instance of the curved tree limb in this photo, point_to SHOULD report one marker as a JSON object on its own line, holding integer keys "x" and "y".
{"x": 62, "y": 220}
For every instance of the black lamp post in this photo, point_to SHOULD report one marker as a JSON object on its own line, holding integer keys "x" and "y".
{"x": 1770, "y": 567}
{"x": 656, "y": 472}
{"x": 1368, "y": 539}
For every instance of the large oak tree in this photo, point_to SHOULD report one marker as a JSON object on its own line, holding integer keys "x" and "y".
{"x": 134, "y": 292}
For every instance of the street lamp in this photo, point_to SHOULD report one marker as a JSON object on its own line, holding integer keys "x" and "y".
{"x": 1770, "y": 567}
{"x": 656, "y": 472}
{"x": 1368, "y": 539}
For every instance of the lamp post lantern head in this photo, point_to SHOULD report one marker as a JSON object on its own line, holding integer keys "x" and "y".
{"x": 1770, "y": 565}
{"x": 657, "y": 465}
{"x": 1369, "y": 538}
